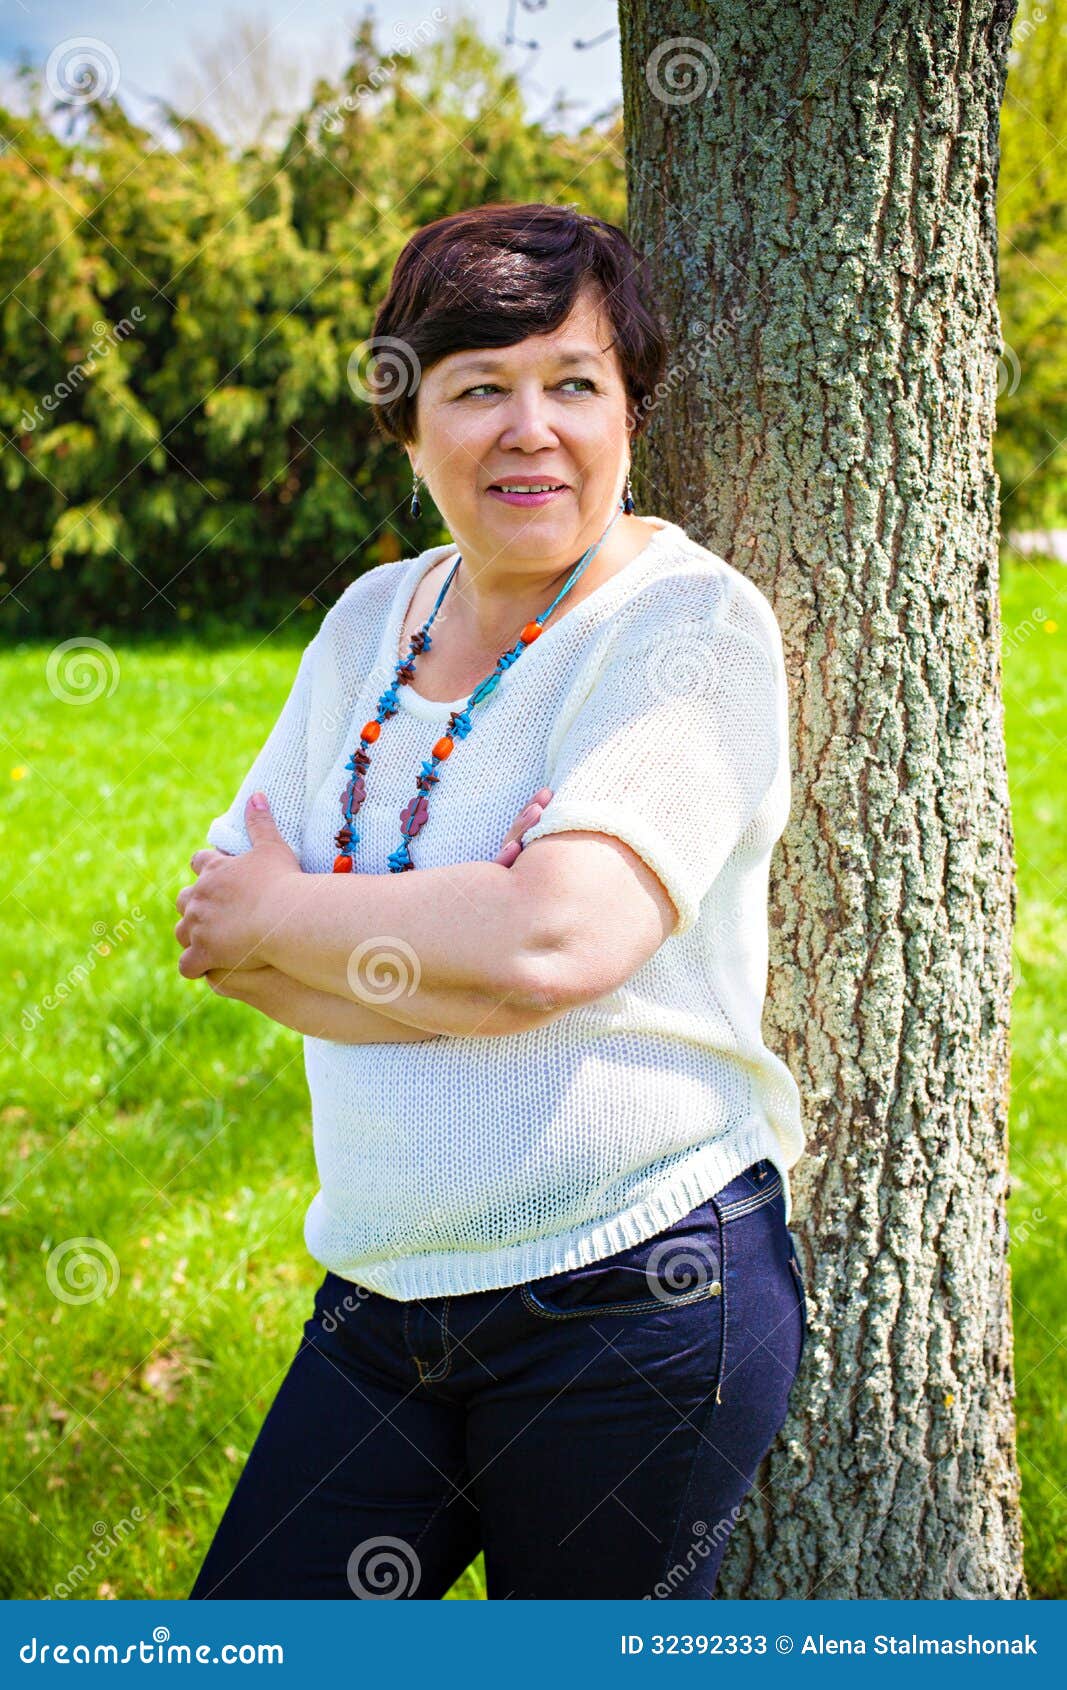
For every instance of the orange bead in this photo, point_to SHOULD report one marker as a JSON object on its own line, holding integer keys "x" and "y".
{"x": 342, "y": 865}
{"x": 371, "y": 730}
{"x": 443, "y": 748}
{"x": 530, "y": 633}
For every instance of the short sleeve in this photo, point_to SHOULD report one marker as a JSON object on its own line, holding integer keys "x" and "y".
{"x": 680, "y": 749}
{"x": 279, "y": 770}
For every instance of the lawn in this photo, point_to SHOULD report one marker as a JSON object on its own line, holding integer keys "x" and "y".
{"x": 171, "y": 1128}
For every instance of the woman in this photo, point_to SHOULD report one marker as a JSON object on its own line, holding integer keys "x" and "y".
{"x": 561, "y": 1314}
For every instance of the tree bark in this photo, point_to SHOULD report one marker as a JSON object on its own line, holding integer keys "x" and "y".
{"x": 814, "y": 186}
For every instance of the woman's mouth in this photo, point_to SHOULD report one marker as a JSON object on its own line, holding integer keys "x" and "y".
{"x": 514, "y": 493}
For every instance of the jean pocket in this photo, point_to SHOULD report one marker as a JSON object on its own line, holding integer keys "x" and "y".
{"x": 672, "y": 1269}
{"x": 802, "y": 1295}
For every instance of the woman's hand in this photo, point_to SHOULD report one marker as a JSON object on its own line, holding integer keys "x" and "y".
{"x": 529, "y": 817}
{"x": 228, "y": 913}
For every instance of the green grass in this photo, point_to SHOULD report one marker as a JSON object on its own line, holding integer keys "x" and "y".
{"x": 173, "y": 1126}
{"x": 145, "y": 1112}
{"x": 1034, "y": 618}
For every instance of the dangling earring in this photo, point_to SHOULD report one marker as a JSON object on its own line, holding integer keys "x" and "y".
{"x": 628, "y": 498}
{"x": 416, "y": 508}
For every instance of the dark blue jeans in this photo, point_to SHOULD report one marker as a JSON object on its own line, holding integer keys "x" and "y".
{"x": 593, "y": 1432}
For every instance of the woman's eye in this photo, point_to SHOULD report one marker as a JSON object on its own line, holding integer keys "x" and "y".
{"x": 485, "y": 386}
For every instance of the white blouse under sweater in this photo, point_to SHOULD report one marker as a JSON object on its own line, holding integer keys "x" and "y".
{"x": 656, "y": 710}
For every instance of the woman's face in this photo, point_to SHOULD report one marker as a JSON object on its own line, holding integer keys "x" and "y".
{"x": 551, "y": 409}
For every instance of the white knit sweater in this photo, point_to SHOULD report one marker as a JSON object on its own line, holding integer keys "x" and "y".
{"x": 656, "y": 710}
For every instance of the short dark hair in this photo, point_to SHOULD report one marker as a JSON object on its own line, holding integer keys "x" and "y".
{"x": 489, "y": 277}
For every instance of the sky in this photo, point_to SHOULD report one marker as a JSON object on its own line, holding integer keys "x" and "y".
{"x": 152, "y": 44}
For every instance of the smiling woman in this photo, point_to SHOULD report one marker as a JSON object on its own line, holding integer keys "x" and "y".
{"x": 553, "y": 1147}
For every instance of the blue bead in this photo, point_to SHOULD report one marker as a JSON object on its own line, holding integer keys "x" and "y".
{"x": 484, "y": 690}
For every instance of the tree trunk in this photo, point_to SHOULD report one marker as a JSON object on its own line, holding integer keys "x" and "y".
{"x": 814, "y": 185}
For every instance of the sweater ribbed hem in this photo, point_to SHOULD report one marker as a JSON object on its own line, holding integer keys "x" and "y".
{"x": 448, "y": 1273}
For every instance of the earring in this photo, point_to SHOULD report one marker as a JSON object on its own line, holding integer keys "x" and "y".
{"x": 628, "y": 498}
{"x": 416, "y": 508}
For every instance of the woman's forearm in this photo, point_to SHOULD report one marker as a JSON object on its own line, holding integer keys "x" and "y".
{"x": 453, "y": 950}
{"x": 321, "y": 1015}
{"x": 324, "y": 1015}
{"x": 306, "y": 1010}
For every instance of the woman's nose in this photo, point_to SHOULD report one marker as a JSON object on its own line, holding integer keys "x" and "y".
{"x": 527, "y": 423}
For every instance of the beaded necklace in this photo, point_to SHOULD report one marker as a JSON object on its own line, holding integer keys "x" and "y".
{"x": 414, "y": 814}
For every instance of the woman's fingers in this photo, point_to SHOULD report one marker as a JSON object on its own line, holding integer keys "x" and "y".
{"x": 526, "y": 818}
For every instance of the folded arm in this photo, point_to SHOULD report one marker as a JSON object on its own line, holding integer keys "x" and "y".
{"x": 321, "y": 1015}
{"x": 326, "y": 1014}
{"x": 471, "y": 948}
